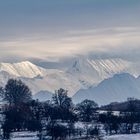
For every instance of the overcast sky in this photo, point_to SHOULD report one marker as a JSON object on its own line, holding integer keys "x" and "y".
{"x": 50, "y": 29}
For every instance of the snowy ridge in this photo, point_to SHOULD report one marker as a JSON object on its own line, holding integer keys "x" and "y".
{"x": 109, "y": 67}
{"x": 92, "y": 72}
{"x": 22, "y": 69}
{"x": 38, "y": 78}
{"x": 52, "y": 82}
{"x": 117, "y": 88}
{"x": 83, "y": 73}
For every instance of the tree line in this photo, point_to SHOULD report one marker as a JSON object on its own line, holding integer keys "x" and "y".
{"x": 57, "y": 118}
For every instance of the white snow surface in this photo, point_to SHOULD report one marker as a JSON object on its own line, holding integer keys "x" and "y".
{"x": 94, "y": 71}
{"x": 38, "y": 78}
{"x": 24, "y": 136}
{"x": 32, "y": 136}
{"x": 123, "y": 137}
{"x": 22, "y": 69}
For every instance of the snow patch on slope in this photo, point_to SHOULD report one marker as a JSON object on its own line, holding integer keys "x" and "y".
{"x": 109, "y": 67}
{"x": 22, "y": 69}
{"x": 91, "y": 72}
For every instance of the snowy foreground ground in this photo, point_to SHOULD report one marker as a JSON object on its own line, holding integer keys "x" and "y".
{"x": 24, "y": 136}
{"x": 123, "y": 137}
{"x": 32, "y": 136}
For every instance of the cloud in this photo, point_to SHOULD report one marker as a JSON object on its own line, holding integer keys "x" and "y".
{"x": 81, "y": 42}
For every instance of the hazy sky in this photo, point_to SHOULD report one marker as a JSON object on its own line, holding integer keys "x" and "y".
{"x": 44, "y": 29}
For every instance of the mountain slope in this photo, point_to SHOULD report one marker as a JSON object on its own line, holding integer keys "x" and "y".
{"x": 83, "y": 73}
{"x": 22, "y": 69}
{"x": 38, "y": 78}
{"x": 117, "y": 88}
{"x": 43, "y": 96}
{"x": 52, "y": 82}
{"x": 91, "y": 72}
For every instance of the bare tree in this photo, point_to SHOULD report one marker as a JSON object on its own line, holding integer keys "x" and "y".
{"x": 16, "y": 92}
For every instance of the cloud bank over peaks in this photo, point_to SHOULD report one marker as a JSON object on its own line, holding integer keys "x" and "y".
{"x": 115, "y": 41}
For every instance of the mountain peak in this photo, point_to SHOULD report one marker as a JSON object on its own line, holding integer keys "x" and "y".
{"x": 25, "y": 62}
{"x": 117, "y": 88}
{"x": 22, "y": 69}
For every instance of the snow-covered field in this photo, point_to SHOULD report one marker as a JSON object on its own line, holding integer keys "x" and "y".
{"x": 24, "y": 136}
{"x": 123, "y": 137}
{"x": 32, "y": 136}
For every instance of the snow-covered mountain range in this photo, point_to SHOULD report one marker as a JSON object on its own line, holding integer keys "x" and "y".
{"x": 115, "y": 89}
{"x": 94, "y": 71}
{"x": 38, "y": 78}
{"x": 85, "y": 77}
